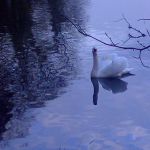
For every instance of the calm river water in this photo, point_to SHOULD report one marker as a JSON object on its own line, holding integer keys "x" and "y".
{"x": 46, "y": 93}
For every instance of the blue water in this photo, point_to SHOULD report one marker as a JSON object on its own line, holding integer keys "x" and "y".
{"x": 46, "y": 98}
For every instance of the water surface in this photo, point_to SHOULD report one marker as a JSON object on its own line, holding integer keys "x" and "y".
{"x": 47, "y": 99}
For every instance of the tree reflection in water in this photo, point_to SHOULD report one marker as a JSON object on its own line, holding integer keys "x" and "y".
{"x": 36, "y": 60}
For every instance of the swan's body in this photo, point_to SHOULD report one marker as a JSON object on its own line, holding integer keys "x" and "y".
{"x": 107, "y": 66}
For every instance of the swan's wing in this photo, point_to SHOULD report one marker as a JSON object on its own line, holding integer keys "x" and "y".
{"x": 106, "y": 69}
{"x": 106, "y": 57}
{"x": 114, "y": 67}
{"x": 105, "y": 63}
{"x": 113, "y": 56}
{"x": 120, "y": 64}
{"x": 124, "y": 66}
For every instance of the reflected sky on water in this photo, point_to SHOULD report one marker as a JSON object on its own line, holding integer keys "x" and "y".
{"x": 47, "y": 99}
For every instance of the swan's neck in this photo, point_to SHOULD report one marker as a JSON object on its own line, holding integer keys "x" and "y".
{"x": 95, "y": 68}
{"x": 95, "y": 61}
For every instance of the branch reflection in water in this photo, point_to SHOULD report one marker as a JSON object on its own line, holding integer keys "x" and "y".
{"x": 116, "y": 85}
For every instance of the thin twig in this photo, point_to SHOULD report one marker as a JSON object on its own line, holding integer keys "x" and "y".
{"x": 140, "y": 58}
{"x": 80, "y": 30}
{"x": 112, "y": 44}
{"x": 148, "y": 32}
{"x": 110, "y": 39}
{"x": 143, "y": 19}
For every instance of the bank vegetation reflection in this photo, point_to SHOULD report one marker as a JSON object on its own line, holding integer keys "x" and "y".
{"x": 37, "y": 58}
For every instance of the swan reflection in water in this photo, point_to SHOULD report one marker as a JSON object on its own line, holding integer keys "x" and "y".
{"x": 115, "y": 85}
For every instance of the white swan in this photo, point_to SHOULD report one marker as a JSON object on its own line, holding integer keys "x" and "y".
{"x": 108, "y": 66}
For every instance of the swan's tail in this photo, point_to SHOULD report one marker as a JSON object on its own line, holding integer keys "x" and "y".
{"x": 127, "y": 70}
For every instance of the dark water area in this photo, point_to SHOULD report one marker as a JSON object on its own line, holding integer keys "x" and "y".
{"x": 47, "y": 99}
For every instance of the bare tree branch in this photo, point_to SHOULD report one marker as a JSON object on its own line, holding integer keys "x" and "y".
{"x": 143, "y": 19}
{"x": 141, "y": 47}
{"x": 135, "y": 37}
{"x": 110, "y": 39}
{"x": 133, "y": 28}
{"x": 148, "y": 32}
{"x": 83, "y": 32}
{"x": 141, "y": 60}
{"x": 140, "y": 43}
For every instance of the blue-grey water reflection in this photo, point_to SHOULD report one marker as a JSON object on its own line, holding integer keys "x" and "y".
{"x": 115, "y": 85}
{"x": 46, "y": 94}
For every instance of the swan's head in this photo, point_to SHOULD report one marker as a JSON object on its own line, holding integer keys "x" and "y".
{"x": 94, "y": 51}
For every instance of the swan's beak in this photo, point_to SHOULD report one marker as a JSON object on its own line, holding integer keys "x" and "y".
{"x": 94, "y": 50}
